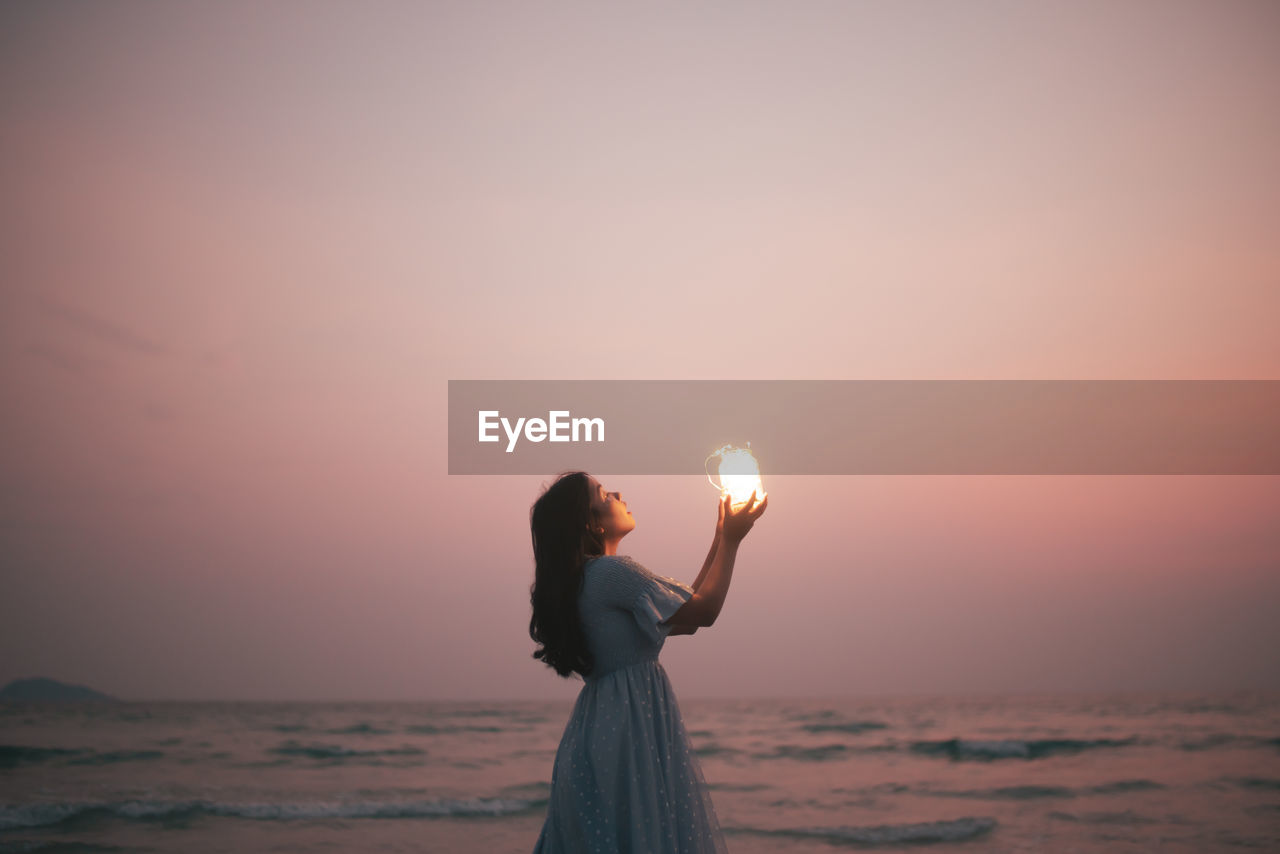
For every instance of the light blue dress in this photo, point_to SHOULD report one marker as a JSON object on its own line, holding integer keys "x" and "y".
{"x": 626, "y": 778}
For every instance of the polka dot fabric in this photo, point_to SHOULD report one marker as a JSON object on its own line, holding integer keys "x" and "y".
{"x": 626, "y": 778}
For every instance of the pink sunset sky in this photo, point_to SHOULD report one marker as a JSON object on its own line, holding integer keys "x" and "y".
{"x": 245, "y": 246}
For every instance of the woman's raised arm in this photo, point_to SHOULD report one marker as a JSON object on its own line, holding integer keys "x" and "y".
{"x": 712, "y": 585}
{"x": 715, "y": 544}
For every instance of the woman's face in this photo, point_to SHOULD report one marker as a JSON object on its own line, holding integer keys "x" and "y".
{"x": 610, "y": 512}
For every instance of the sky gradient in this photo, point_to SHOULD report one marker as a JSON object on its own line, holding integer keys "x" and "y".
{"x": 245, "y": 246}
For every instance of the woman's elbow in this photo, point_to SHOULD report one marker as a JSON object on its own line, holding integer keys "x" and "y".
{"x": 707, "y": 613}
{"x": 697, "y": 613}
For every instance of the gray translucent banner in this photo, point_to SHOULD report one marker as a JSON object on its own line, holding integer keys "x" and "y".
{"x": 867, "y": 426}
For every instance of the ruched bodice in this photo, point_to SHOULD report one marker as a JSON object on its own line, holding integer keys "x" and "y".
{"x": 622, "y": 608}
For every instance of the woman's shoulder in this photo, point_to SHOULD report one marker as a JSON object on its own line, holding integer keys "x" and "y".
{"x": 616, "y": 568}
{"x": 625, "y": 562}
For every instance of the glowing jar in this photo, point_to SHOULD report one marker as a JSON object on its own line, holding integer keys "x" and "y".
{"x": 739, "y": 474}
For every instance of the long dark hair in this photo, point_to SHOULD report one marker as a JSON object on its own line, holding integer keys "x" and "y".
{"x": 563, "y": 538}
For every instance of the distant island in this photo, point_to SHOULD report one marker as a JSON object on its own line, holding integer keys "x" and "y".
{"x": 40, "y": 690}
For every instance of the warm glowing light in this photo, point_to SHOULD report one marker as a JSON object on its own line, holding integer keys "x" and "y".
{"x": 739, "y": 474}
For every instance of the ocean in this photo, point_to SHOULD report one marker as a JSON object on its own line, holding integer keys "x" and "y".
{"x": 1017, "y": 773}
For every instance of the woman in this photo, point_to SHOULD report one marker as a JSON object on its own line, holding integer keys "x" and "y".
{"x": 625, "y": 777}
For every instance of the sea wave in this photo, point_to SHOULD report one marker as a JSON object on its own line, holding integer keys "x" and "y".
{"x": 14, "y": 816}
{"x": 1266, "y": 784}
{"x": 962, "y": 748}
{"x": 12, "y": 755}
{"x": 60, "y": 846}
{"x": 443, "y": 729}
{"x": 1029, "y": 792}
{"x": 713, "y": 749}
{"x": 338, "y": 752}
{"x": 1226, "y": 739}
{"x": 1012, "y": 793}
{"x": 737, "y": 787}
{"x": 362, "y": 728}
{"x": 850, "y": 727}
{"x": 921, "y": 833}
{"x": 1125, "y": 817}
{"x": 819, "y": 753}
{"x": 1120, "y": 787}
{"x": 111, "y": 757}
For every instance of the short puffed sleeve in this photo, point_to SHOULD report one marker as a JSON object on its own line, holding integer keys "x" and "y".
{"x": 652, "y": 599}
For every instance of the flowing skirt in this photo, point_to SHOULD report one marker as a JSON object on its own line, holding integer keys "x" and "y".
{"x": 626, "y": 778}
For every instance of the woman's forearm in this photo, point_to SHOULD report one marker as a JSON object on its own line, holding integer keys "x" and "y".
{"x": 703, "y": 607}
{"x": 715, "y": 586}
{"x": 706, "y": 564}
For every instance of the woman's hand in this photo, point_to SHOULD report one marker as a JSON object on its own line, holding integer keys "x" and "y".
{"x": 735, "y": 524}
